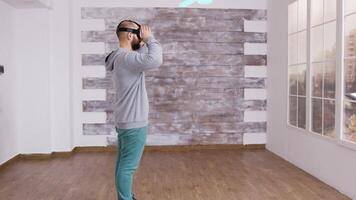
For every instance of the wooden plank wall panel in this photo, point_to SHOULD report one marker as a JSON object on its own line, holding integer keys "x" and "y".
{"x": 197, "y": 95}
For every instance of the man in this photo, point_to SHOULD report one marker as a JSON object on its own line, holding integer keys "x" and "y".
{"x": 128, "y": 64}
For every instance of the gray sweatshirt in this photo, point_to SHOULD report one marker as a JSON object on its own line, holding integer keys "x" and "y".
{"x": 131, "y": 102}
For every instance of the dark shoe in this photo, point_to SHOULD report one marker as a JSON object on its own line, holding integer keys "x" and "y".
{"x": 133, "y": 196}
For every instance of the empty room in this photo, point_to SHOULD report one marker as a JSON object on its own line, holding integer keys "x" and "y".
{"x": 178, "y": 100}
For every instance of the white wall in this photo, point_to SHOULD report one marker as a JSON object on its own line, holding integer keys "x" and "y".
{"x": 44, "y": 78}
{"x": 60, "y": 77}
{"x": 323, "y": 158}
{"x": 35, "y": 90}
{"x": 31, "y": 57}
{"x": 8, "y": 134}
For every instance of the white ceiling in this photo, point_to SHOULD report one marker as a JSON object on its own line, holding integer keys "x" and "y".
{"x": 29, "y": 3}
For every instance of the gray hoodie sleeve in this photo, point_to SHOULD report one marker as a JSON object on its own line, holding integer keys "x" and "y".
{"x": 145, "y": 61}
{"x": 109, "y": 64}
{"x": 143, "y": 49}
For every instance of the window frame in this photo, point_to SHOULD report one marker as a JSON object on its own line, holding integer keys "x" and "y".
{"x": 297, "y": 65}
{"x": 339, "y": 79}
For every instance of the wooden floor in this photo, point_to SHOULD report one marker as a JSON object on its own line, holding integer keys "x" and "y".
{"x": 186, "y": 175}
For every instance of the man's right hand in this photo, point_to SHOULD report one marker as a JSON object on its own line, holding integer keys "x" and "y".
{"x": 145, "y": 32}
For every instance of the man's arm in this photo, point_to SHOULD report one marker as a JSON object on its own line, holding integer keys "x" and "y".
{"x": 145, "y": 61}
{"x": 143, "y": 48}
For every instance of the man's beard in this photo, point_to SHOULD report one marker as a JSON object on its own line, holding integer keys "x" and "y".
{"x": 136, "y": 45}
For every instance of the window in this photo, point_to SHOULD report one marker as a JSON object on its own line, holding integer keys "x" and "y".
{"x": 297, "y": 63}
{"x": 349, "y": 101}
{"x": 323, "y": 66}
{"x": 313, "y": 46}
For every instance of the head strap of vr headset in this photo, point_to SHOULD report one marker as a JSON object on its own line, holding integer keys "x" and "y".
{"x": 135, "y": 31}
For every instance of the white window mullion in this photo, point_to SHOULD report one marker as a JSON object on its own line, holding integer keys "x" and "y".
{"x": 297, "y": 68}
{"x": 308, "y": 70}
{"x": 339, "y": 70}
{"x": 323, "y": 74}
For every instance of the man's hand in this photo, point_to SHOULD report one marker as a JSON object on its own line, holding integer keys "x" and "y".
{"x": 142, "y": 44}
{"x": 145, "y": 32}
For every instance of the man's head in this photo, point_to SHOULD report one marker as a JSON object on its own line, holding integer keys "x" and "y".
{"x": 129, "y": 32}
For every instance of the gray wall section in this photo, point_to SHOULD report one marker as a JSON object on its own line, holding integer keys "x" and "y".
{"x": 197, "y": 95}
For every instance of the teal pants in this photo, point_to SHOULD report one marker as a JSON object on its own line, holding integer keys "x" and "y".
{"x": 131, "y": 143}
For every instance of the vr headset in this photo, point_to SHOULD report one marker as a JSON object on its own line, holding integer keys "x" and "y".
{"x": 135, "y": 31}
